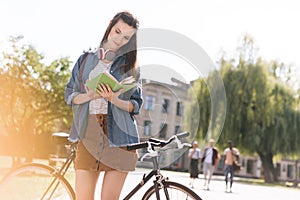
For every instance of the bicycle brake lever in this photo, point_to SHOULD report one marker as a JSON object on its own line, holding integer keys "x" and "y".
{"x": 149, "y": 155}
{"x": 187, "y": 144}
{"x": 179, "y": 144}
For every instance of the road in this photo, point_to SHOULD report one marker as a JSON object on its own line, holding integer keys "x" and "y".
{"x": 244, "y": 191}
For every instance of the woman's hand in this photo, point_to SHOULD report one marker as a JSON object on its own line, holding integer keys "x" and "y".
{"x": 91, "y": 94}
{"x": 85, "y": 97}
{"x": 107, "y": 93}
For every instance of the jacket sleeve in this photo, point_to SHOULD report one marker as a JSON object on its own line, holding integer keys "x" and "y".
{"x": 136, "y": 98}
{"x": 72, "y": 88}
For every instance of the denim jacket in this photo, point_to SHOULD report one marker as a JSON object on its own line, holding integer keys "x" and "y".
{"x": 122, "y": 127}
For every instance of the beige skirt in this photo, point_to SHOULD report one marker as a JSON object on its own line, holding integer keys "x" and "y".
{"x": 94, "y": 152}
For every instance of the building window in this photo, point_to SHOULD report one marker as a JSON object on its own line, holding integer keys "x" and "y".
{"x": 176, "y": 158}
{"x": 221, "y": 163}
{"x": 177, "y": 129}
{"x": 250, "y": 164}
{"x": 163, "y": 131}
{"x": 149, "y": 102}
{"x": 278, "y": 169}
{"x": 165, "y": 105}
{"x": 290, "y": 170}
{"x": 179, "y": 109}
{"x": 147, "y": 127}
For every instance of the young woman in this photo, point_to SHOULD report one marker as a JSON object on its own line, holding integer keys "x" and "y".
{"x": 194, "y": 155}
{"x": 104, "y": 121}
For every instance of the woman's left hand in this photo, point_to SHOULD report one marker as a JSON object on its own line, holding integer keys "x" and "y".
{"x": 107, "y": 93}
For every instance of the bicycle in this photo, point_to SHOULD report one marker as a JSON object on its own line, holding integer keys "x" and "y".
{"x": 52, "y": 183}
{"x": 40, "y": 181}
{"x": 162, "y": 188}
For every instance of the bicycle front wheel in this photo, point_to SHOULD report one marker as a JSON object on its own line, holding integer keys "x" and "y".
{"x": 35, "y": 181}
{"x": 171, "y": 191}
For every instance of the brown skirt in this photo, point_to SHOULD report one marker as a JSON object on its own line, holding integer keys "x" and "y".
{"x": 94, "y": 153}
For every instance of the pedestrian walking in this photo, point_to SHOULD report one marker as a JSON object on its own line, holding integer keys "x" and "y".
{"x": 210, "y": 159}
{"x": 231, "y": 155}
{"x": 194, "y": 155}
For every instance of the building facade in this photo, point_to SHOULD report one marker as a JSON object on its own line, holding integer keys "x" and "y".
{"x": 162, "y": 114}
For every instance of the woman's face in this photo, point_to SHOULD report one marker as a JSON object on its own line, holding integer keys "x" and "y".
{"x": 119, "y": 35}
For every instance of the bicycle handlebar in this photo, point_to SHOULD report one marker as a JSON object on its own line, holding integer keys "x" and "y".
{"x": 157, "y": 142}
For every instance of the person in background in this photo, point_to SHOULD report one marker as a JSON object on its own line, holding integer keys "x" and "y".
{"x": 210, "y": 159}
{"x": 231, "y": 155}
{"x": 104, "y": 122}
{"x": 194, "y": 155}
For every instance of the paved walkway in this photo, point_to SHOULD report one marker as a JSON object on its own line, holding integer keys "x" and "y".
{"x": 242, "y": 189}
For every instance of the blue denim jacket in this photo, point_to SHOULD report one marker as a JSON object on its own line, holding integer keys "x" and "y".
{"x": 122, "y": 127}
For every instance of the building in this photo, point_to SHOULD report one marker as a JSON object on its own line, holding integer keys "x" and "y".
{"x": 288, "y": 170}
{"x": 161, "y": 115}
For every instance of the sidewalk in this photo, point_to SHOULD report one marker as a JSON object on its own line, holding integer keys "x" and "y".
{"x": 218, "y": 177}
{"x": 243, "y": 188}
{"x": 239, "y": 179}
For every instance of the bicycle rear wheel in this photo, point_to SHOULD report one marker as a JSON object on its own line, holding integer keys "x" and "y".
{"x": 171, "y": 191}
{"x": 35, "y": 181}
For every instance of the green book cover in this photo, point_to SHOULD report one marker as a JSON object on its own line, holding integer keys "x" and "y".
{"x": 107, "y": 78}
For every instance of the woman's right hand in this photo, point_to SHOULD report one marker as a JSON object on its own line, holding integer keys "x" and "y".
{"x": 91, "y": 94}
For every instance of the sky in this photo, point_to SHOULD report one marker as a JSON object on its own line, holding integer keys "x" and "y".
{"x": 59, "y": 28}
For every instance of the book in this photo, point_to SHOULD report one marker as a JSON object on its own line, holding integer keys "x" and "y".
{"x": 106, "y": 78}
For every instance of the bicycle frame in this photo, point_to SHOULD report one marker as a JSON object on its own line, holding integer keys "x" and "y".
{"x": 155, "y": 172}
{"x": 160, "y": 180}
{"x": 61, "y": 172}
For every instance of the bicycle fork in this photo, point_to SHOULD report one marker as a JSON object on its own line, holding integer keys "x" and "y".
{"x": 159, "y": 184}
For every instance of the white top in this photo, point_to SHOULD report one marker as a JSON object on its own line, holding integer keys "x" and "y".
{"x": 209, "y": 155}
{"x": 99, "y": 106}
{"x": 196, "y": 155}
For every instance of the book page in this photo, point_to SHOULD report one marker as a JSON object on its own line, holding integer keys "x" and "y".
{"x": 128, "y": 80}
{"x": 107, "y": 78}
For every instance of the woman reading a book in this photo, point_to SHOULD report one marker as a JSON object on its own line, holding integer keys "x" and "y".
{"x": 104, "y": 121}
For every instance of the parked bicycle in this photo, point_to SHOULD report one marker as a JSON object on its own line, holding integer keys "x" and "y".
{"x": 162, "y": 188}
{"x": 34, "y": 181}
{"x": 41, "y": 181}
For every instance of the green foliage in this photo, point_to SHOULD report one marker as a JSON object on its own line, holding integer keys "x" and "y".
{"x": 206, "y": 120}
{"x": 32, "y": 95}
{"x": 195, "y": 124}
{"x": 262, "y": 106}
{"x": 260, "y": 110}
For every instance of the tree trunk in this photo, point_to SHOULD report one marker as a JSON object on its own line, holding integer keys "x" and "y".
{"x": 268, "y": 167}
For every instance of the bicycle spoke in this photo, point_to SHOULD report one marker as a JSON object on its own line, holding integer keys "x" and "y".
{"x": 172, "y": 191}
{"x": 33, "y": 182}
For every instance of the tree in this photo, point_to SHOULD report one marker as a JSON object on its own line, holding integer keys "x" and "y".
{"x": 197, "y": 116}
{"x": 205, "y": 115}
{"x": 262, "y": 115}
{"x": 32, "y": 96}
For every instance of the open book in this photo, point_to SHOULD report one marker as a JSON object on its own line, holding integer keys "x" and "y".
{"x": 106, "y": 78}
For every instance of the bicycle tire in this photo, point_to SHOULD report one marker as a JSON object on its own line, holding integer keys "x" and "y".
{"x": 31, "y": 180}
{"x": 175, "y": 191}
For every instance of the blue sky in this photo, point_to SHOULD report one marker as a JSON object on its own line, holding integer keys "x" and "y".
{"x": 60, "y": 28}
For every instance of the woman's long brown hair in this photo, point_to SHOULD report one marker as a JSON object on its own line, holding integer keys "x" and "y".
{"x": 129, "y": 50}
